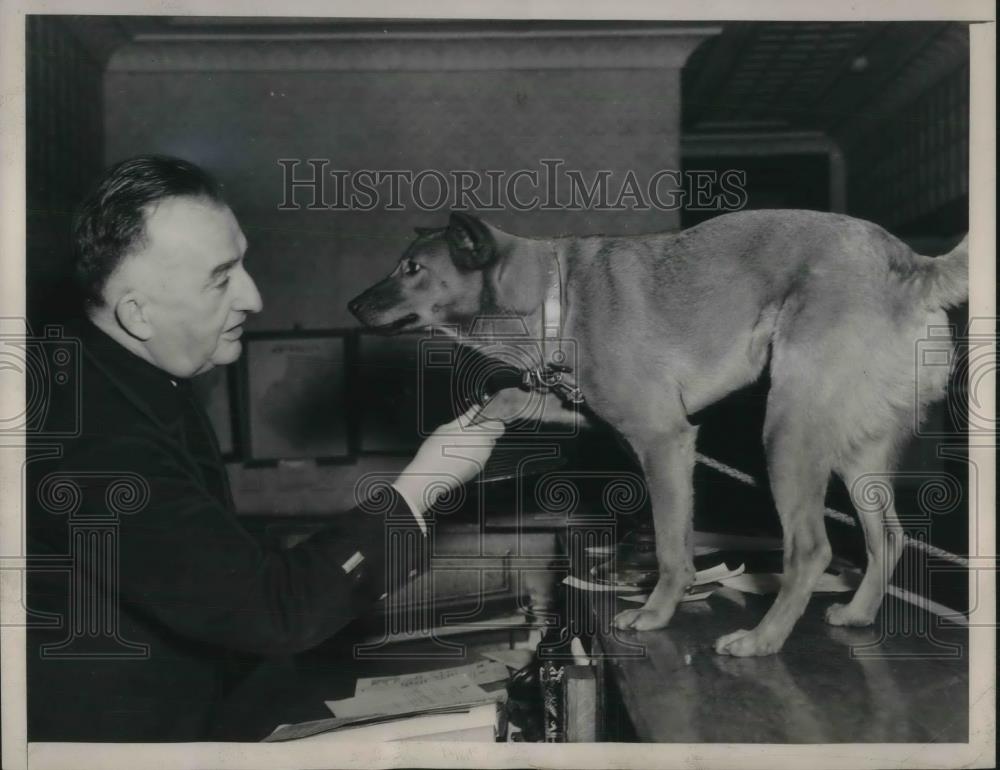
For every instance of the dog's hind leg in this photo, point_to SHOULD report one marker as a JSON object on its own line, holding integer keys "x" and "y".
{"x": 799, "y": 467}
{"x": 882, "y": 419}
{"x": 667, "y": 459}
{"x": 869, "y": 480}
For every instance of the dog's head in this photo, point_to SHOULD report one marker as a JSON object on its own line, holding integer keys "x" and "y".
{"x": 439, "y": 280}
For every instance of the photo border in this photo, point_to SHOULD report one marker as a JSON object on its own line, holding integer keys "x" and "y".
{"x": 982, "y": 631}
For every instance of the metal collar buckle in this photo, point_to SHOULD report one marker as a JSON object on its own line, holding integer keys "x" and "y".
{"x": 551, "y": 379}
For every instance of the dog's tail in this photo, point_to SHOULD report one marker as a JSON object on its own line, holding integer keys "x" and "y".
{"x": 946, "y": 278}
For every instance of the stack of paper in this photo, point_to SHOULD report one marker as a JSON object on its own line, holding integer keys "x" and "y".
{"x": 414, "y": 706}
{"x": 416, "y": 698}
{"x": 717, "y": 574}
{"x": 480, "y": 672}
{"x": 479, "y": 723}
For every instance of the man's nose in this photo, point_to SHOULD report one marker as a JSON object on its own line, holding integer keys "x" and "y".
{"x": 249, "y": 300}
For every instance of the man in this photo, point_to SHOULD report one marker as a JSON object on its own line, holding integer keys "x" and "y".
{"x": 169, "y": 602}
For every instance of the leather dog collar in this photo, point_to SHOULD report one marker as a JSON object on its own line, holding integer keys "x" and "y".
{"x": 553, "y": 374}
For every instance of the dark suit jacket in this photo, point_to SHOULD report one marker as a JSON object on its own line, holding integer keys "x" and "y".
{"x": 148, "y": 600}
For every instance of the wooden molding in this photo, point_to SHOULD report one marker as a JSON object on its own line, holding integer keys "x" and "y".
{"x": 440, "y": 52}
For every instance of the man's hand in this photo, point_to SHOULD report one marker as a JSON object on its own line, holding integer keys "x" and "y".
{"x": 452, "y": 455}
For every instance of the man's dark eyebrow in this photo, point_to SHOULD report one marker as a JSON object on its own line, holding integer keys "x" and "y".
{"x": 225, "y": 267}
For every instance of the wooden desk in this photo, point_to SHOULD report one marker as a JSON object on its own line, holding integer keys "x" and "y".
{"x": 679, "y": 690}
{"x": 484, "y": 573}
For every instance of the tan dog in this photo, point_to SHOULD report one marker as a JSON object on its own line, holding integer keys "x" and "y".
{"x": 667, "y": 324}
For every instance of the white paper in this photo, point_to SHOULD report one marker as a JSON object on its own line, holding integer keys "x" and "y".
{"x": 733, "y": 595}
{"x": 391, "y": 729}
{"x": 480, "y": 672}
{"x": 692, "y": 597}
{"x": 455, "y": 691}
{"x": 716, "y": 574}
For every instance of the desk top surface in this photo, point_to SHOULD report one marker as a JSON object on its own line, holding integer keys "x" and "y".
{"x": 828, "y": 685}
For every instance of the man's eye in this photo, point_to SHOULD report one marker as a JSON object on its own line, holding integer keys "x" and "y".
{"x": 412, "y": 268}
{"x": 223, "y": 283}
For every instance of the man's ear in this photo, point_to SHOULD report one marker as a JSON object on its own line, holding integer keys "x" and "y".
{"x": 470, "y": 241}
{"x": 130, "y": 312}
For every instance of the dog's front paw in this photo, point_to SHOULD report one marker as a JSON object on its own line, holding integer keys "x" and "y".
{"x": 747, "y": 644}
{"x": 642, "y": 619}
{"x": 845, "y": 615}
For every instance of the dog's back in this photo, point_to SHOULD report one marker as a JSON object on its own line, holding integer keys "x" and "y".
{"x": 777, "y": 251}
{"x": 719, "y": 300}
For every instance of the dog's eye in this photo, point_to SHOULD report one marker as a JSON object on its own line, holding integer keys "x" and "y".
{"x": 412, "y": 268}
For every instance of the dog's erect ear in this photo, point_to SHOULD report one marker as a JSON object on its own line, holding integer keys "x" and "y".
{"x": 471, "y": 243}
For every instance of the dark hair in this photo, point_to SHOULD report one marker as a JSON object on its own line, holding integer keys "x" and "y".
{"x": 112, "y": 220}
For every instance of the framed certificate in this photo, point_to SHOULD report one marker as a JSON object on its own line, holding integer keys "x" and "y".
{"x": 295, "y": 397}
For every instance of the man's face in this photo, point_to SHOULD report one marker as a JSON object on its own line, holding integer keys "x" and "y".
{"x": 197, "y": 291}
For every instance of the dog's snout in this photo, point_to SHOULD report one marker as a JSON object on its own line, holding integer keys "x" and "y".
{"x": 355, "y": 305}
